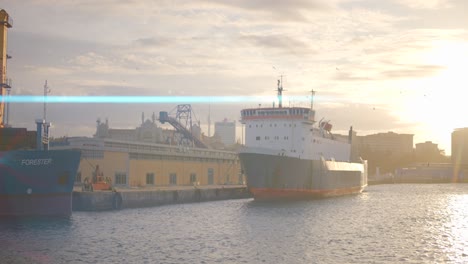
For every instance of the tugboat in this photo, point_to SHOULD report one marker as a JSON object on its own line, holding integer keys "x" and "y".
{"x": 288, "y": 155}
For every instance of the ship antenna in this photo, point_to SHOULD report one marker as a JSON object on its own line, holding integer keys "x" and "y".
{"x": 280, "y": 92}
{"x": 46, "y": 91}
{"x": 312, "y": 99}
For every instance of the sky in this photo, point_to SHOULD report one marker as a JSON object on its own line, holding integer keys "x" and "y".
{"x": 379, "y": 66}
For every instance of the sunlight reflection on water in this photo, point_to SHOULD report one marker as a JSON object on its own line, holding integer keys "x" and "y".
{"x": 385, "y": 224}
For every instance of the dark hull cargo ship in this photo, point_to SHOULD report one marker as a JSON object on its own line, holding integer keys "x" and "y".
{"x": 287, "y": 156}
{"x": 37, "y": 182}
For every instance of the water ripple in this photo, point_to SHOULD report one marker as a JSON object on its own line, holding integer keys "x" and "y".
{"x": 385, "y": 224}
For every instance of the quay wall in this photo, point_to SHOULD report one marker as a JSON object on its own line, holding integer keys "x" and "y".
{"x": 109, "y": 200}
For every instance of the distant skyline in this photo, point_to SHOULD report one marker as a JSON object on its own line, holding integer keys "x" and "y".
{"x": 379, "y": 66}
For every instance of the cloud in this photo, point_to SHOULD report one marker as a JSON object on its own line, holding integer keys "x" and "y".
{"x": 152, "y": 42}
{"x": 294, "y": 10}
{"x": 350, "y": 76}
{"x": 283, "y": 43}
{"x": 412, "y": 71}
{"x": 426, "y": 4}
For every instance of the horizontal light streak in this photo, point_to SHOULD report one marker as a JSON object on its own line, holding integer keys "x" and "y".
{"x": 147, "y": 99}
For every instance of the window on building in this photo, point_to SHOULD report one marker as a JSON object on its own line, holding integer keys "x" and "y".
{"x": 150, "y": 178}
{"x": 173, "y": 179}
{"x": 193, "y": 178}
{"x": 210, "y": 176}
{"x": 120, "y": 178}
{"x": 257, "y": 138}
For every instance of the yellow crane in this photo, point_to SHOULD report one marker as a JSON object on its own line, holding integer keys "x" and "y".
{"x": 4, "y": 84}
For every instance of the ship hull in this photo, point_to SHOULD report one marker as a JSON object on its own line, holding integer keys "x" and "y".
{"x": 37, "y": 182}
{"x": 56, "y": 204}
{"x": 281, "y": 177}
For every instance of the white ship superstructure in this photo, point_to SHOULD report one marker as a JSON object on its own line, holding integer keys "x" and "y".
{"x": 291, "y": 132}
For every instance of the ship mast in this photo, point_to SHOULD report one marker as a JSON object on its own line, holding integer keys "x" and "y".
{"x": 46, "y": 91}
{"x": 312, "y": 93}
{"x": 280, "y": 92}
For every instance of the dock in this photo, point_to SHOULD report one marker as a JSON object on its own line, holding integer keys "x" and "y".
{"x": 122, "y": 198}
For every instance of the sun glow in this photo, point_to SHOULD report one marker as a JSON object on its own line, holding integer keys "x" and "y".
{"x": 437, "y": 103}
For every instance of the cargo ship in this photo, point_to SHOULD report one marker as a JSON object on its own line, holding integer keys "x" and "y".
{"x": 33, "y": 179}
{"x": 37, "y": 182}
{"x": 287, "y": 154}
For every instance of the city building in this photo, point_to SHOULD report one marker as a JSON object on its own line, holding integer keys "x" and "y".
{"x": 428, "y": 152}
{"x": 390, "y": 142}
{"x": 226, "y": 131}
{"x": 147, "y": 132}
{"x": 460, "y": 153}
{"x": 426, "y": 147}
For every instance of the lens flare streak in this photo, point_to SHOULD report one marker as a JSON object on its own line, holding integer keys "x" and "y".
{"x": 150, "y": 99}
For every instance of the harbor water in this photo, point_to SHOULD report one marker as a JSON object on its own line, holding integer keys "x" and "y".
{"x": 409, "y": 223}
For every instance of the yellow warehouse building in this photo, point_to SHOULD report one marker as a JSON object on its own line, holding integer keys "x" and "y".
{"x": 142, "y": 164}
